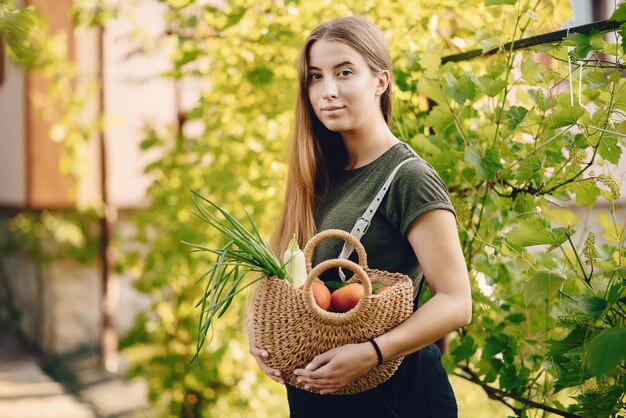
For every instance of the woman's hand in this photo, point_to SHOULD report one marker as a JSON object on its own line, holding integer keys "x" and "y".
{"x": 260, "y": 355}
{"x": 334, "y": 369}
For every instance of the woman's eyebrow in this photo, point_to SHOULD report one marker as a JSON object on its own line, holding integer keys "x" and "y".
{"x": 341, "y": 64}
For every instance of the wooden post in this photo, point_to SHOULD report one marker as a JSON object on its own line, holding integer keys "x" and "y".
{"x": 108, "y": 336}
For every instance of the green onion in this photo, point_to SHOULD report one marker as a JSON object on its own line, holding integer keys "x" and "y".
{"x": 245, "y": 252}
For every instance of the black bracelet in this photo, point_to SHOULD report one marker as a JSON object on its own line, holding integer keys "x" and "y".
{"x": 378, "y": 353}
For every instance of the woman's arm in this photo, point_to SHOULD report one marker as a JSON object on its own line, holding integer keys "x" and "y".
{"x": 434, "y": 238}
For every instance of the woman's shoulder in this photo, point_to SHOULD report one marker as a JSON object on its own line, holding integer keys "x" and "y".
{"x": 414, "y": 166}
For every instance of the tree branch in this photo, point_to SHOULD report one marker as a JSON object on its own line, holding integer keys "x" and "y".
{"x": 500, "y": 395}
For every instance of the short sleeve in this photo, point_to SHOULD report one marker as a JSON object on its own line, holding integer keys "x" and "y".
{"x": 416, "y": 189}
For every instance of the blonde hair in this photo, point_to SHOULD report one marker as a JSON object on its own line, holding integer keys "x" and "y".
{"x": 315, "y": 152}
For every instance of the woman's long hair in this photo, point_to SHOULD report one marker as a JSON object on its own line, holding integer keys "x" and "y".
{"x": 315, "y": 152}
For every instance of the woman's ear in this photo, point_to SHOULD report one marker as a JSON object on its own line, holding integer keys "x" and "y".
{"x": 383, "y": 82}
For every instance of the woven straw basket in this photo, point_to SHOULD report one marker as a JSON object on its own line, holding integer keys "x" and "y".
{"x": 293, "y": 329}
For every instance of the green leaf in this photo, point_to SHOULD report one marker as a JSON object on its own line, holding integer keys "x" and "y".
{"x": 592, "y": 305}
{"x": 421, "y": 143}
{"x": 575, "y": 339}
{"x": 622, "y": 31}
{"x": 431, "y": 89}
{"x": 260, "y": 76}
{"x": 544, "y": 283}
{"x": 491, "y": 87}
{"x": 177, "y": 4}
{"x": 586, "y": 192}
{"x": 616, "y": 291}
{"x": 583, "y": 44}
{"x": 529, "y": 167}
{"x": 524, "y": 203}
{"x": 501, "y": 343}
{"x": 439, "y": 119}
{"x": 459, "y": 90}
{"x": 609, "y": 149}
{"x": 535, "y": 232}
{"x": 515, "y": 318}
{"x": 431, "y": 63}
{"x": 606, "y": 350}
{"x": 489, "y": 44}
{"x": 619, "y": 98}
{"x": 619, "y": 15}
{"x": 487, "y": 167}
{"x": 494, "y": 2}
{"x": 565, "y": 114}
{"x": 515, "y": 115}
{"x": 464, "y": 350}
{"x": 532, "y": 71}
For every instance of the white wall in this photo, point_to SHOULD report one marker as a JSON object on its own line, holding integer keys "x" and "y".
{"x": 134, "y": 94}
{"x": 12, "y": 138}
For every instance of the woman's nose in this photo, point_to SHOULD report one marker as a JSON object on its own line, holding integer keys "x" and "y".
{"x": 330, "y": 89}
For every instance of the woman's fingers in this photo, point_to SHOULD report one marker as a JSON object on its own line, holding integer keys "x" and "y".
{"x": 260, "y": 356}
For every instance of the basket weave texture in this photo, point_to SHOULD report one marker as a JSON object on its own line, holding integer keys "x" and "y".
{"x": 293, "y": 329}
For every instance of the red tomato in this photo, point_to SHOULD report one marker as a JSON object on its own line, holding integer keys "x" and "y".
{"x": 321, "y": 294}
{"x": 347, "y": 297}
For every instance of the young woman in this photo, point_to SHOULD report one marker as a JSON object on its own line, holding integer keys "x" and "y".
{"x": 342, "y": 151}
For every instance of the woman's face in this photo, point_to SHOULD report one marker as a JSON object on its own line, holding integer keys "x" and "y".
{"x": 344, "y": 93}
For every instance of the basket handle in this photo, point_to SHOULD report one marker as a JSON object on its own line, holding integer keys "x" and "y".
{"x": 310, "y": 246}
{"x": 359, "y": 273}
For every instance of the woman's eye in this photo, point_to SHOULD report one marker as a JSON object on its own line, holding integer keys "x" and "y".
{"x": 314, "y": 76}
{"x": 345, "y": 73}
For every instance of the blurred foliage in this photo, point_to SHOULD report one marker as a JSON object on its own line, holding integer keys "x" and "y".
{"x": 517, "y": 155}
{"x": 48, "y": 235}
{"x": 500, "y": 131}
{"x": 31, "y": 43}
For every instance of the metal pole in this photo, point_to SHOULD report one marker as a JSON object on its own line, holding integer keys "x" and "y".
{"x": 546, "y": 38}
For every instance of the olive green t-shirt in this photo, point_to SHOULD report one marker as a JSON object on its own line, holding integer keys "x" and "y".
{"x": 416, "y": 189}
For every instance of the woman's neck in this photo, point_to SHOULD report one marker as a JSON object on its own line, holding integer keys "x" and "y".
{"x": 365, "y": 147}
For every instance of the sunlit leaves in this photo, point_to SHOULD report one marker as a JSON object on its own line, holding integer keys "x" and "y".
{"x": 619, "y": 14}
{"x": 565, "y": 114}
{"x": 460, "y": 89}
{"x": 586, "y": 43}
{"x": 20, "y": 28}
{"x": 514, "y": 116}
{"x": 491, "y": 87}
{"x": 489, "y": 44}
{"x": 609, "y": 148}
{"x": 529, "y": 167}
{"x": 488, "y": 166}
{"x": 179, "y": 3}
{"x": 586, "y": 192}
{"x": 495, "y": 2}
{"x": 544, "y": 284}
{"x": 440, "y": 119}
{"x": 431, "y": 89}
{"x": 535, "y": 232}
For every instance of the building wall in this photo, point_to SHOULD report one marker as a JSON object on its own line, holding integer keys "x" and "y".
{"x": 135, "y": 95}
{"x": 12, "y": 134}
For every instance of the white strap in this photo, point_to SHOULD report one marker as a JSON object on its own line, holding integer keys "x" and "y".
{"x": 364, "y": 221}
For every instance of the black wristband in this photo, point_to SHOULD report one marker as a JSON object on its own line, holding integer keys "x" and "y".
{"x": 378, "y": 353}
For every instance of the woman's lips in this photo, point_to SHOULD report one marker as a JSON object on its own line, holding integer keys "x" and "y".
{"x": 332, "y": 109}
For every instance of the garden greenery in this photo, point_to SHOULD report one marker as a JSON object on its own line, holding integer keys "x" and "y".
{"x": 526, "y": 141}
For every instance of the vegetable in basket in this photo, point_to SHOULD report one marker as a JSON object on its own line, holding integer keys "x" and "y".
{"x": 244, "y": 260}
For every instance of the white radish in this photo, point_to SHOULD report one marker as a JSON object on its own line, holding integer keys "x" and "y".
{"x": 295, "y": 263}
